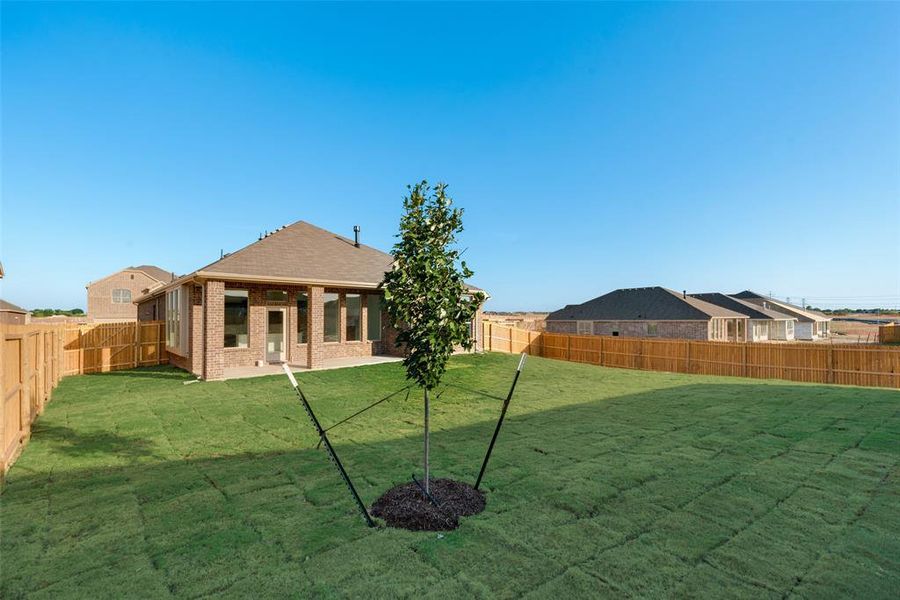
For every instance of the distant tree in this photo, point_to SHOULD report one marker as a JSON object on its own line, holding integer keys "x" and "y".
{"x": 50, "y": 312}
{"x": 425, "y": 293}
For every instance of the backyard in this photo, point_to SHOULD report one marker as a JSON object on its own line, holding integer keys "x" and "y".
{"x": 603, "y": 481}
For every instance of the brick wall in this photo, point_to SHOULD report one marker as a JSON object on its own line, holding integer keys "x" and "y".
{"x": 689, "y": 330}
{"x": 214, "y": 330}
{"x": 153, "y": 309}
{"x": 182, "y": 362}
{"x": 195, "y": 327}
{"x": 209, "y": 357}
{"x": 569, "y": 327}
{"x": 316, "y": 330}
{"x": 99, "y": 295}
{"x": 12, "y": 318}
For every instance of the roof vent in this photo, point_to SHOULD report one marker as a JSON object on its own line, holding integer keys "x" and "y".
{"x": 684, "y": 294}
{"x": 356, "y": 235}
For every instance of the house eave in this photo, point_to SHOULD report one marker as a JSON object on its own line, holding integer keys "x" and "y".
{"x": 239, "y": 277}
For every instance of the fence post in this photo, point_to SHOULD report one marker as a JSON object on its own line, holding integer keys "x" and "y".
{"x": 160, "y": 342}
{"x": 137, "y": 343}
{"x": 25, "y": 403}
{"x": 689, "y": 356}
{"x": 568, "y": 347}
{"x": 600, "y": 353}
{"x": 80, "y": 351}
{"x": 744, "y": 359}
{"x": 830, "y": 359}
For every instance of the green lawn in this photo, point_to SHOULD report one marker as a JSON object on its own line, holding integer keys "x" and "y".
{"x": 603, "y": 481}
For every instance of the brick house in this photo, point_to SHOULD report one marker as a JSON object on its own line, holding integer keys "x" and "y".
{"x": 300, "y": 295}
{"x": 112, "y": 298}
{"x": 11, "y": 314}
{"x": 765, "y": 324}
{"x": 650, "y": 312}
{"x": 811, "y": 324}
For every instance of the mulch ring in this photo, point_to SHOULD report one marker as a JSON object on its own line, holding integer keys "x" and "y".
{"x": 405, "y": 505}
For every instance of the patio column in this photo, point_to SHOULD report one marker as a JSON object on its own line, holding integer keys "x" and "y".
{"x": 315, "y": 327}
{"x": 214, "y": 331}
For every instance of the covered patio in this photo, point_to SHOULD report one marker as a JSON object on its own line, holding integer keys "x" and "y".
{"x": 244, "y": 372}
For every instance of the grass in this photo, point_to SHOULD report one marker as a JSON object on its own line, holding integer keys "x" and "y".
{"x": 603, "y": 481}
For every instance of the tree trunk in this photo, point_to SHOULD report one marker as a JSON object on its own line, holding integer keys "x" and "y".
{"x": 427, "y": 439}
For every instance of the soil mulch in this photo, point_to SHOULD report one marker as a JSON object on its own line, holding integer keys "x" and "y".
{"x": 405, "y": 505}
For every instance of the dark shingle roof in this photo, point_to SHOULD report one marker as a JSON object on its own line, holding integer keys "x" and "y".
{"x": 639, "y": 304}
{"x": 803, "y": 314}
{"x": 156, "y": 273}
{"x": 10, "y": 307}
{"x": 741, "y": 306}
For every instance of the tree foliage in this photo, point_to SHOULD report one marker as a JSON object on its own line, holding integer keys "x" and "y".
{"x": 425, "y": 294}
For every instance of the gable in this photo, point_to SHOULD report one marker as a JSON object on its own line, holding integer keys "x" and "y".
{"x": 304, "y": 252}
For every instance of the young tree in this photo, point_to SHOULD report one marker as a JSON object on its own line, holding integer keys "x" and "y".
{"x": 425, "y": 294}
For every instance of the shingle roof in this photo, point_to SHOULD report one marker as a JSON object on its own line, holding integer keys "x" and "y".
{"x": 156, "y": 273}
{"x": 639, "y": 304}
{"x": 804, "y": 314}
{"x": 741, "y": 306}
{"x": 300, "y": 253}
{"x": 303, "y": 251}
{"x": 10, "y": 307}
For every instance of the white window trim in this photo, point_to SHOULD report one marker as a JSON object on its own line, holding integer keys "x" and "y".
{"x": 122, "y": 292}
{"x": 177, "y": 306}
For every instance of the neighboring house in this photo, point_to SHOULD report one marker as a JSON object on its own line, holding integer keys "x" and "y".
{"x": 811, "y": 324}
{"x": 765, "y": 324}
{"x": 300, "y": 295}
{"x": 11, "y": 314}
{"x": 650, "y": 312}
{"x": 112, "y": 298}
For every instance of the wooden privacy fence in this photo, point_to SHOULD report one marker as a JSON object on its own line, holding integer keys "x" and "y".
{"x": 848, "y": 364}
{"x": 33, "y": 358}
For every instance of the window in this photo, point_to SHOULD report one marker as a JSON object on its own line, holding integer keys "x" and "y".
{"x": 276, "y": 296}
{"x": 354, "y": 304}
{"x": 173, "y": 318}
{"x": 332, "y": 310}
{"x": 652, "y": 328}
{"x": 177, "y": 320}
{"x": 236, "y": 318}
{"x": 302, "y": 316}
{"x": 373, "y": 322}
{"x": 121, "y": 296}
{"x": 584, "y": 327}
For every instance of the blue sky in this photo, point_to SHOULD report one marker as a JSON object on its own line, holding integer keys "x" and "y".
{"x": 696, "y": 146}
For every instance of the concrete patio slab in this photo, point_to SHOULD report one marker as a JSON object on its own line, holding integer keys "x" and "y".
{"x": 331, "y": 363}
